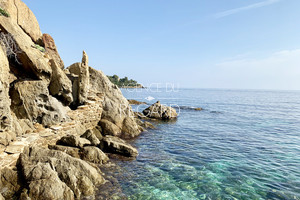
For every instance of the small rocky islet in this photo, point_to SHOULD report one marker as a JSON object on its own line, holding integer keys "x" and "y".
{"x": 57, "y": 124}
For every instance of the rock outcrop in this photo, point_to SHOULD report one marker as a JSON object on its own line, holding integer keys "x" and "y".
{"x": 51, "y": 50}
{"x": 60, "y": 85}
{"x": 31, "y": 100}
{"x": 42, "y": 167}
{"x": 23, "y": 16}
{"x": 159, "y": 111}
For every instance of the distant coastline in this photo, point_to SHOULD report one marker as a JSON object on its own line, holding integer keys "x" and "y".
{"x": 124, "y": 82}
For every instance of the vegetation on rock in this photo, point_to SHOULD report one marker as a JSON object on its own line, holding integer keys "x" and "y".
{"x": 124, "y": 82}
{"x": 4, "y": 12}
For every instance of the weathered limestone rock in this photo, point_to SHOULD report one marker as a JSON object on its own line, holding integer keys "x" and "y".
{"x": 9, "y": 183}
{"x": 109, "y": 128}
{"x": 84, "y": 79}
{"x": 97, "y": 132}
{"x": 89, "y": 135}
{"x": 24, "y": 17}
{"x": 31, "y": 100}
{"x": 72, "y": 151}
{"x": 77, "y": 174}
{"x": 60, "y": 85}
{"x": 94, "y": 155}
{"x": 31, "y": 62}
{"x": 6, "y": 132}
{"x": 81, "y": 85}
{"x": 112, "y": 144}
{"x": 51, "y": 50}
{"x": 115, "y": 106}
{"x": 44, "y": 182}
{"x": 73, "y": 141}
{"x": 159, "y": 111}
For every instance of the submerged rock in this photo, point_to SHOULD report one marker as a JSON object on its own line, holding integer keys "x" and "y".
{"x": 111, "y": 144}
{"x": 160, "y": 111}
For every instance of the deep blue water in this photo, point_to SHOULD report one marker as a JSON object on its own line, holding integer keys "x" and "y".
{"x": 243, "y": 145}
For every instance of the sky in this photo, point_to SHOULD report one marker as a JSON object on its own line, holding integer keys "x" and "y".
{"x": 232, "y": 44}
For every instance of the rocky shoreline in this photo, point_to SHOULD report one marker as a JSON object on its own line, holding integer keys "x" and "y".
{"x": 58, "y": 125}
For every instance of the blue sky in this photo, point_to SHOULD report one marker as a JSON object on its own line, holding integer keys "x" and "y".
{"x": 236, "y": 44}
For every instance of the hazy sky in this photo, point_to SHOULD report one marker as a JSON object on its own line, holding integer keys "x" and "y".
{"x": 244, "y": 44}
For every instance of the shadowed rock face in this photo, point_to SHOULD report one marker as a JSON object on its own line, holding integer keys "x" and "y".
{"x": 31, "y": 100}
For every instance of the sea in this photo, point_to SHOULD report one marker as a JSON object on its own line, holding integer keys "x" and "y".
{"x": 243, "y": 144}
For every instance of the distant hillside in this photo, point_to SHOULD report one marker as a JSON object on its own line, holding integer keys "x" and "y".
{"x": 124, "y": 82}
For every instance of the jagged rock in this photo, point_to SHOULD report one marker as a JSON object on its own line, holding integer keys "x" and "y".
{"x": 30, "y": 62}
{"x": 115, "y": 106}
{"x": 89, "y": 135}
{"x": 72, "y": 151}
{"x": 94, "y": 155}
{"x": 77, "y": 174}
{"x": 73, "y": 141}
{"x": 81, "y": 85}
{"x": 1, "y": 197}
{"x": 112, "y": 144}
{"x": 109, "y": 128}
{"x": 31, "y": 100}
{"x": 51, "y": 50}
{"x": 44, "y": 182}
{"x": 84, "y": 79}
{"x": 60, "y": 85}
{"x": 9, "y": 183}
{"x": 159, "y": 111}
{"x": 24, "y": 17}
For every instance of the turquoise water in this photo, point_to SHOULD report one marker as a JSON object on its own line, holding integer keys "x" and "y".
{"x": 243, "y": 145}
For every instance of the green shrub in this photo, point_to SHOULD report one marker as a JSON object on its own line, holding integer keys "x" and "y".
{"x": 42, "y": 49}
{"x": 4, "y": 12}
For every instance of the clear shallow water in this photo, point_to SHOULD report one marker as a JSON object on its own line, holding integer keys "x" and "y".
{"x": 243, "y": 145}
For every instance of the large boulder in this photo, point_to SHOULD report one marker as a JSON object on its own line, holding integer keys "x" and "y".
{"x": 112, "y": 144}
{"x": 73, "y": 141}
{"x": 44, "y": 183}
{"x": 78, "y": 175}
{"x": 51, "y": 50}
{"x": 31, "y": 100}
{"x": 60, "y": 85}
{"x": 93, "y": 155}
{"x": 23, "y": 16}
{"x": 159, "y": 111}
{"x": 109, "y": 128}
